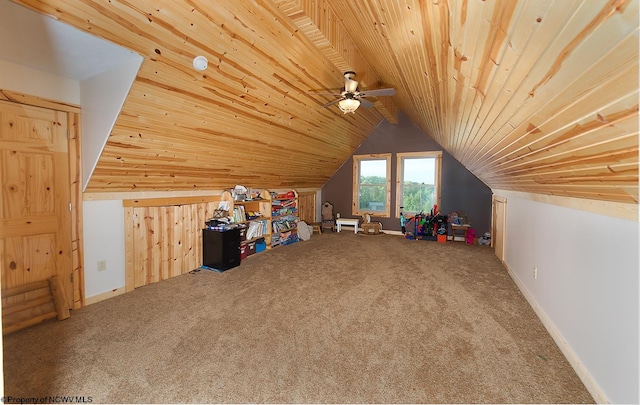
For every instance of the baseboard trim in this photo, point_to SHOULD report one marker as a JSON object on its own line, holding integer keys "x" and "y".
{"x": 584, "y": 375}
{"x": 104, "y": 296}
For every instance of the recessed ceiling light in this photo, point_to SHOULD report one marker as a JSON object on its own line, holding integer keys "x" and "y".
{"x": 200, "y": 62}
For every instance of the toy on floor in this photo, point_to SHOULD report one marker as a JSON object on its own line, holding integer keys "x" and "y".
{"x": 471, "y": 235}
{"x": 368, "y": 226}
{"x": 485, "y": 239}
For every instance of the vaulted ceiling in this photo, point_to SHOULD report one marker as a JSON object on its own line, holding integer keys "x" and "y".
{"x": 530, "y": 95}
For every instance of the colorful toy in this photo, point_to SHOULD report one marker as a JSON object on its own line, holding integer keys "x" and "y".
{"x": 471, "y": 235}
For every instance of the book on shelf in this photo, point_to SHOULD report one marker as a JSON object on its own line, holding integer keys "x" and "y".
{"x": 284, "y": 224}
{"x": 280, "y": 212}
{"x": 239, "y": 214}
{"x": 285, "y": 238}
{"x": 256, "y": 229}
{"x": 283, "y": 203}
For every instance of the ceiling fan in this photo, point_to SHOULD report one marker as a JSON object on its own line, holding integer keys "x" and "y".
{"x": 350, "y": 97}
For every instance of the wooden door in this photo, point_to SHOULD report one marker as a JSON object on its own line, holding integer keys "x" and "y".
{"x": 499, "y": 223}
{"x": 307, "y": 207}
{"x": 35, "y": 219}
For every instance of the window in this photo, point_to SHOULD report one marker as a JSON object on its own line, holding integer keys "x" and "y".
{"x": 418, "y": 182}
{"x": 372, "y": 184}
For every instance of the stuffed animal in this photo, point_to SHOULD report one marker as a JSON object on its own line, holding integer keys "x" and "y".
{"x": 471, "y": 235}
{"x": 457, "y": 218}
{"x": 485, "y": 239}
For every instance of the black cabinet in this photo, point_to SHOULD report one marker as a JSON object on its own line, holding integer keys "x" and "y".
{"x": 220, "y": 249}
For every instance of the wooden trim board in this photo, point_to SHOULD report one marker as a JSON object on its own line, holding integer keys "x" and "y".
{"x": 105, "y": 295}
{"x": 162, "y": 202}
{"x": 141, "y": 195}
{"x": 21, "y": 98}
{"x": 608, "y": 208}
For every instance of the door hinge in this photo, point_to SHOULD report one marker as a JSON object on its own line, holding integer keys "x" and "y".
{"x": 68, "y": 134}
{"x": 71, "y": 277}
{"x": 69, "y": 206}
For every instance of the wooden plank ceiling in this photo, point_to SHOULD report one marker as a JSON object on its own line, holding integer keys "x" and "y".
{"x": 530, "y": 95}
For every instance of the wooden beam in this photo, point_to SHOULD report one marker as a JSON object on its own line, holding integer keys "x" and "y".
{"x": 59, "y": 299}
{"x": 21, "y": 98}
{"x": 161, "y": 202}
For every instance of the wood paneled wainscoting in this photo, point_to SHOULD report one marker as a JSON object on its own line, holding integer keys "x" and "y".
{"x": 163, "y": 237}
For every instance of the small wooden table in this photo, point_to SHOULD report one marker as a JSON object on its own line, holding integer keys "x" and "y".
{"x": 347, "y": 221}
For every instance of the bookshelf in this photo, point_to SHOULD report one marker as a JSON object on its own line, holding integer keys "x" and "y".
{"x": 254, "y": 214}
{"x": 284, "y": 217}
{"x": 272, "y": 215}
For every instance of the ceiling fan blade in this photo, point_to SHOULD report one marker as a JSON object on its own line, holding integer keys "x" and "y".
{"x": 332, "y": 102}
{"x": 378, "y": 92}
{"x": 365, "y": 103}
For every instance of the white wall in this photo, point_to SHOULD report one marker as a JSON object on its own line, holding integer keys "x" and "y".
{"x": 103, "y": 221}
{"x": 103, "y": 229}
{"x": 102, "y": 98}
{"x": 38, "y": 83}
{"x": 586, "y": 290}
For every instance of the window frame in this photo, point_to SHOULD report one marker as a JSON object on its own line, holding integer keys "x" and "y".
{"x": 357, "y": 159}
{"x": 400, "y": 158}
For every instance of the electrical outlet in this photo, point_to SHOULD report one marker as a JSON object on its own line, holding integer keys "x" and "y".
{"x": 535, "y": 273}
{"x": 102, "y": 265}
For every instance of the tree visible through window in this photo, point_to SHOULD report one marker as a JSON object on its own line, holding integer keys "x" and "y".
{"x": 372, "y": 184}
{"x": 418, "y": 181}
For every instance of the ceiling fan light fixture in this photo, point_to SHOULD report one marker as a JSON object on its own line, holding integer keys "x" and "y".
{"x": 350, "y": 98}
{"x": 348, "y": 105}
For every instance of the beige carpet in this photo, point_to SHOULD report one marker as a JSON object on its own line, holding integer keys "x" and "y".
{"x": 341, "y": 318}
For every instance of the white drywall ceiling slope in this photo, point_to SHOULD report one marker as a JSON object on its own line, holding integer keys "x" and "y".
{"x": 105, "y": 71}
{"x": 40, "y": 42}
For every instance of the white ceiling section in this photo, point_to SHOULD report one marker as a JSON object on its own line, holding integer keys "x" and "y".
{"x": 32, "y": 39}
{"x": 105, "y": 71}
